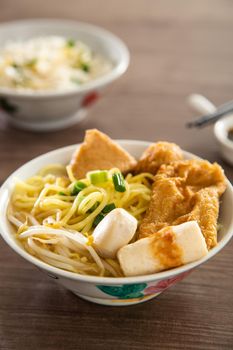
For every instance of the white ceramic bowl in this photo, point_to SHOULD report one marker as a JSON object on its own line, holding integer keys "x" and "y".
{"x": 105, "y": 290}
{"x": 221, "y": 129}
{"x": 201, "y": 104}
{"x": 44, "y": 111}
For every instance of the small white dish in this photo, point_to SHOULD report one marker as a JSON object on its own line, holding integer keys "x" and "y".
{"x": 52, "y": 110}
{"x": 105, "y": 290}
{"x": 221, "y": 127}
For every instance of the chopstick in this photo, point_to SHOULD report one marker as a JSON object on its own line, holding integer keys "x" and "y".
{"x": 210, "y": 118}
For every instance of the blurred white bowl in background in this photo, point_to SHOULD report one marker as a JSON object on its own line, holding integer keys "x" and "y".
{"x": 221, "y": 127}
{"x": 52, "y": 110}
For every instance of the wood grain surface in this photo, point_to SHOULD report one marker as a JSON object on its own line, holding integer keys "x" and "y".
{"x": 177, "y": 48}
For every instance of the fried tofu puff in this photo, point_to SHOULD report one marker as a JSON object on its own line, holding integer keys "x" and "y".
{"x": 156, "y": 155}
{"x": 185, "y": 191}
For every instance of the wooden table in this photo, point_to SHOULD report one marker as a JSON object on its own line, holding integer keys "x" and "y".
{"x": 177, "y": 47}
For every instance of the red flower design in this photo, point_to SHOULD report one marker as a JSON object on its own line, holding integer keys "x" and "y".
{"x": 164, "y": 284}
{"x": 90, "y": 99}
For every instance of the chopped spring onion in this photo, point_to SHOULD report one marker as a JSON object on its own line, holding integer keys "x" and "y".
{"x": 79, "y": 186}
{"x": 109, "y": 207}
{"x": 97, "y": 220}
{"x": 100, "y": 216}
{"x": 70, "y": 43}
{"x": 31, "y": 63}
{"x": 15, "y": 65}
{"x": 97, "y": 177}
{"x": 61, "y": 193}
{"x": 85, "y": 67}
{"x": 119, "y": 182}
{"x": 93, "y": 208}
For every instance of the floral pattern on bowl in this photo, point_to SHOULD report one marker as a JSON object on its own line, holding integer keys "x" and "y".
{"x": 125, "y": 291}
{"x": 162, "y": 285}
{"x": 139, "y": 290}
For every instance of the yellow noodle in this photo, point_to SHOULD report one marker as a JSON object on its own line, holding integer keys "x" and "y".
{"x": 47, "y": 199}
{"x": 70, "y": 173}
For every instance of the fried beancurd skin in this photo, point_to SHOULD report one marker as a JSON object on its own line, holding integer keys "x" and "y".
{"x": 157, "y": 154}
{"x": 98, "y": 151}
{"x": 185, "y": 191}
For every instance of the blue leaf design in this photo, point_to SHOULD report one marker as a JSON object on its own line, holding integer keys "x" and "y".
{"x": 125, "y": 291}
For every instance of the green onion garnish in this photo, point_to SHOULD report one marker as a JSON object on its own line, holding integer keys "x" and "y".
{"x": 61, "y": 193}
{"x": 79, "y": 186}
{"x": 85, "y": 67}
{"x": 119, "y": 182}
{"x": 109, "y": 207}
{"x": 97, "y": 220}
{"x": 70, "y": 43}
{"x": 31, "y": 63}
{"x": 93, "y": 208}
{"x": 97, "y": 177}
{"x": 15, "y": 65}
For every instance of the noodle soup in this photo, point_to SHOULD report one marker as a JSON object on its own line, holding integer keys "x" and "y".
{"x": 108, "y": 214}
{"x": 112, "y": 291}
